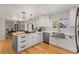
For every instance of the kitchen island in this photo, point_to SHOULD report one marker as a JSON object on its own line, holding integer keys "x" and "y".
{"x": 23, "y": 41}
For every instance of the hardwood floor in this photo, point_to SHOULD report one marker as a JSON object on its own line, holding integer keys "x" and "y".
{"x": 42, "y": 48}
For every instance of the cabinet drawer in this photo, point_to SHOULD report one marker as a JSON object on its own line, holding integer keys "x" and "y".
{"x": 21, "y": 44}
{"x": 70, "y": 37}
{"x": 21, "y": 37}
{"x": 21, "y": 48}
{"x": 21, "y": 40}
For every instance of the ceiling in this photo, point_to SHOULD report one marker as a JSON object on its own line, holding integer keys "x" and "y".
{"x": 15, "y": 10}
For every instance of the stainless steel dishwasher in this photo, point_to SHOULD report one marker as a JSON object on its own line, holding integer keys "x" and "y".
{"x": 46, "y": 37}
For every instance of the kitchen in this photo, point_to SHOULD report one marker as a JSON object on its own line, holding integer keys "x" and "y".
{"x": 55, "y": 29}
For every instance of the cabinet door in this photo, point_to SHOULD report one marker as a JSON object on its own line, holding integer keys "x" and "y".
{"x": 58, "y": 42}
{"x": 40, "y": 37}
{"x": 44, "y": 21}
{"x": 28, "y": 40}
{"x": 71, "y": 44}
{"x": 73, "y": 12}
{"x": 33, "y": 39}
{"x": 21, "y": 46}
{"x": 61, "y": 42}
{"x": 21, "y": 38}
{"x": 53, "y": 40}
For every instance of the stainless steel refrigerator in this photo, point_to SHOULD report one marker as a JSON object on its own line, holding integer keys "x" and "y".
{"x": 77, "y": 30}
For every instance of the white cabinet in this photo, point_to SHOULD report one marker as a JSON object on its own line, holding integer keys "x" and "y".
{"x": 57, "y": 41}
{"x": 33, "y": 39}
{"x": 71, "y": 43}
{"x": 61, "y": 42}
{"x": 24, "y": 41}
{"x": 73, "y": 12}
{"x": 40, "y": 36}
{"x": 68, "y": 43}
{"x": 52, "y": 40}
{"x": 44, "y": 21}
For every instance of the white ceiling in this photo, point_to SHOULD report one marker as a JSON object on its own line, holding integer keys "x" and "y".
{"x": 15, "y": 10}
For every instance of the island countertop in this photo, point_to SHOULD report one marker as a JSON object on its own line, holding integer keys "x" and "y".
{"x": 18, "y": 33}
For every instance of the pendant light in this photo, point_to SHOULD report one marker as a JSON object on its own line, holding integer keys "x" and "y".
{"x": 23, "y": 17}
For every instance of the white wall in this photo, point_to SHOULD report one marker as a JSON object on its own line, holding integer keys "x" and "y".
{"x": 64, "y": 14}
{"x": 2, "y": 29}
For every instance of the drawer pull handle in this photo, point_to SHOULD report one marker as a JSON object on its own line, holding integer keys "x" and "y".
{"x": 23, "y": 37}
{"x": 22, "y": 41}
{"x": 22, "y": 46}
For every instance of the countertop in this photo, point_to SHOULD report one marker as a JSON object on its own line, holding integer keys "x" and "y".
{"x": 18, "y": 33}
{"x": 67, "y": 34}
{"x": 22, "y": 33}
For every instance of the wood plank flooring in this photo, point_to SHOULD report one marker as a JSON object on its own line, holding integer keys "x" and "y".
{"x": 41, "y": 48}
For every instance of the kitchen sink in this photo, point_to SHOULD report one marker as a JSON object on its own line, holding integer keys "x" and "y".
{"x": 58, "y": 35}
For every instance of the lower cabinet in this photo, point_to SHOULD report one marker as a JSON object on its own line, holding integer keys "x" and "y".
{"x": 71, "y": 44}
{"x": 25, "y": 41}
{"x": 40, "y": 36}
{"x": 62, "y": 42}
{"x": 21, "y": 47}
{"x": 57, "y": 42}
{"x": 68, "y": 43}
{"x": 22, "y": 43}
{"x": 52, "y": 40}
{"x": 33, "y": 39}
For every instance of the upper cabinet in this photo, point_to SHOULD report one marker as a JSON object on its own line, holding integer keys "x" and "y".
{"x": 44, "y": 21}
{"x": 73, "y": 12}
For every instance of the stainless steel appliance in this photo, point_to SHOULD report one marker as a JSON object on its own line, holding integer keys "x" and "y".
{"x": 77, "y": 30}
{"x": 46, "y": 37}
